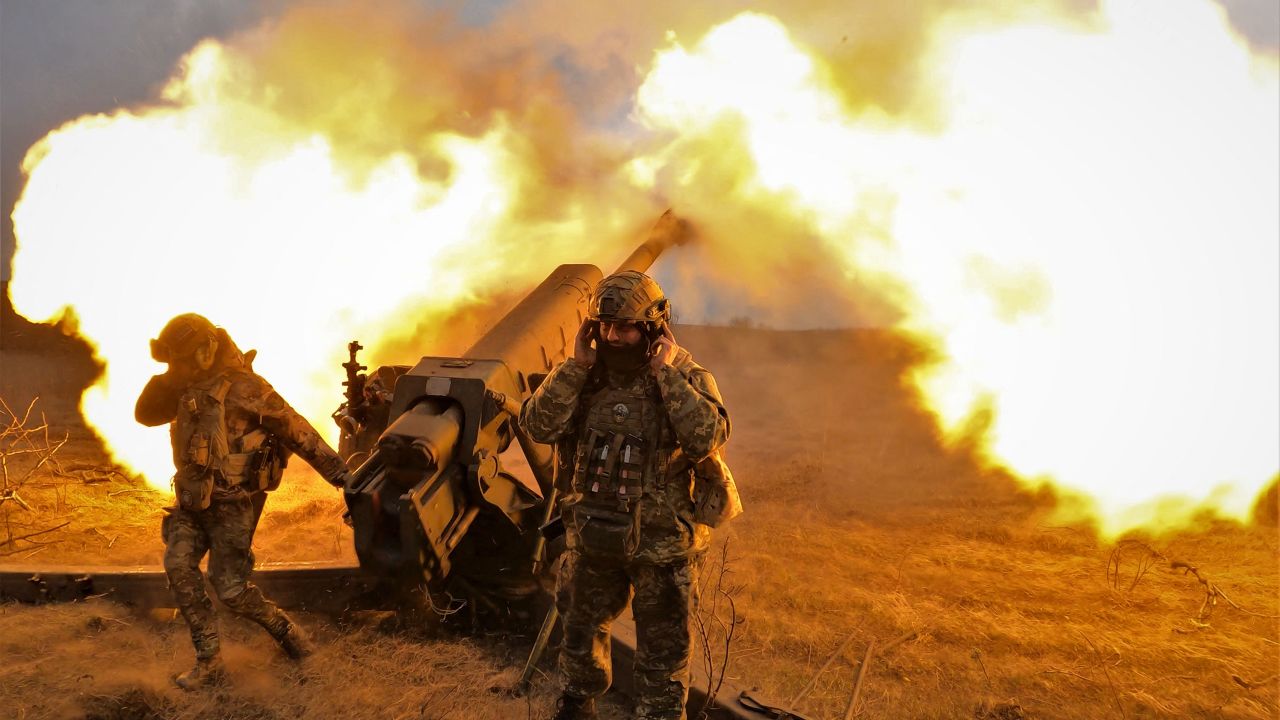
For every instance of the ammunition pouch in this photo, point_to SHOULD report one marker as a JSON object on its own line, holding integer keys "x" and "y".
{"x": 198, "y": 451}
{"x": 715, "y": 494}
{"x": 193, "y": 485}
{"x": 272, "y": 468}
{"x": 609, "y": 477}
{"x": 607, "y": 533}
{"x": 200, "y": 442}
{"x": 260, "y": 467}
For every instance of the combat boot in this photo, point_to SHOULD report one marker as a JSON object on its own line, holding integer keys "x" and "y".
{"x": 207, "y": 671}
{"x": 571, "y": 707}
{"x": 294, "y": 642}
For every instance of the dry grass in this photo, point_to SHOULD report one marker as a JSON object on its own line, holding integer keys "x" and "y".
{"x": 1003, "y": 621}
{"x": 859, "y": 524}
{"x": 101, "y": 661}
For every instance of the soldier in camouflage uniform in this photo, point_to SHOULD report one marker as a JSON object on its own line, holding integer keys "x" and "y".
{"x": 630, "y": 413}
{"x": 232, "y": 434}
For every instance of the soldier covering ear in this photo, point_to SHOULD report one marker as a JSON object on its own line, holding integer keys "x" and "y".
{"x": 635, "y": 413}
{"x": 232, "y": 435}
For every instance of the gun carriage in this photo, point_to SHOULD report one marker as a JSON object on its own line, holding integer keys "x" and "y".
{"x": 441, "y": 499}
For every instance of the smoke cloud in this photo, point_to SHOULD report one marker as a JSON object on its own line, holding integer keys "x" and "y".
{"x": 68, "y": 58}
{"x": 1026, "y": 191}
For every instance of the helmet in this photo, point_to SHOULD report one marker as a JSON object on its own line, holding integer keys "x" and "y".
{"x": 629, "y": 296}
{"x": 181, "y": 336}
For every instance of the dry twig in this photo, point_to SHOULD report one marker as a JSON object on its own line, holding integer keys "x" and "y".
{"x": 37, "y": 533}
{"x": 1054, "y": 671}
{"x": 904, "y": 637}
{"x": 23, "y": 444}
{"x": 1149, "y": 556}
{"x": 1115, "y": 694}
{"x": 838, "y": 652}
{"x": 1248, "y": 685}
{"x": 857, "y": 684}
{"x": 12, "y": 494}
{"x": 977, "y": 655}
{"x": 705, "y": 618}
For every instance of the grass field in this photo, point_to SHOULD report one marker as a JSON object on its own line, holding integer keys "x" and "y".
{"x": 861, "y": 528}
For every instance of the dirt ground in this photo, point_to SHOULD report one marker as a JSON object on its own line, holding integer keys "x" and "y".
{"x": 860, "y": 529}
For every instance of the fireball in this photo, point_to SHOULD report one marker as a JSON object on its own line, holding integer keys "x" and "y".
{"x": 1075, "y": 211}
{"x": 1088, "y": 239}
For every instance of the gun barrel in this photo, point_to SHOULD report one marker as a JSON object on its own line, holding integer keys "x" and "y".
{"x": 669, "y": 230}
{"x": 422, "y": 438}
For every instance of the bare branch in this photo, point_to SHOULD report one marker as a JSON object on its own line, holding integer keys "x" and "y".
{"x": 1115, "y": 694}
{"x": 838, "y": 652}
{"x": 1149, "y": 556}
{"x": 9, "y": 540}
{"x": 12, "y": 494}
{"x": 857, "y": 683}
{"x": 29, "y": 447}
{"x": 705, "y": 619}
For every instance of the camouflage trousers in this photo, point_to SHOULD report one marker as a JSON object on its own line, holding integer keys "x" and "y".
{"x": 592, "y": 593}
{"x": 224, "y": 531}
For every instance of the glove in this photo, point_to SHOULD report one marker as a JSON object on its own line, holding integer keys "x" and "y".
{"x": 342, "y": 480}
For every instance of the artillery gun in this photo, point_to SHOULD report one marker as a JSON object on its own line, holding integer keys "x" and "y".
{"x": 440, "y": 501}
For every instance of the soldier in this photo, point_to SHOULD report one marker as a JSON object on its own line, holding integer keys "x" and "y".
{"x": 630, "y": 414}
{"x": 232, "y": 435}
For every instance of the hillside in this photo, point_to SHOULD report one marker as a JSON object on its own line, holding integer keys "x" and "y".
{"x": 860, "y": 527}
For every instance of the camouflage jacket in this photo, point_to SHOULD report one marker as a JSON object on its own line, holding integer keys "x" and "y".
{"x": 694, "y": 424}
{"x": 252, "y": 410}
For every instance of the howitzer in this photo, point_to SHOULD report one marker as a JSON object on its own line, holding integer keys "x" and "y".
{"x": 438, "y": 501}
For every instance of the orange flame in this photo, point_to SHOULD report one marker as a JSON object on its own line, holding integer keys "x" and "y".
{"x": 1090, "y": 240}
{"x": 1079, "y": 213}
{"x": 224, "y": 202}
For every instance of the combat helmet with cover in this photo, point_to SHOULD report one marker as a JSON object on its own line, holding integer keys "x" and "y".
{"x": 629, "y": 296}
{"x": 181, "y": 336}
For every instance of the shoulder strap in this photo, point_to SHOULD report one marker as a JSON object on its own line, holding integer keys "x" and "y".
{"x": 216, "y": 386}
{"x": 219, "y": 391}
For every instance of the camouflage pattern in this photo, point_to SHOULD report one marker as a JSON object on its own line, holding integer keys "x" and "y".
{"x": 592, "y": 591}
{"x": 250, "y": 404}
{"x": 181, "y": 336}
{"x": 225, "y": 532}
{"x": 249, "y": 411}
{"x": 629, "y": 295}
{"x": 591, "y": 594}
{"x": 696, "y": 423}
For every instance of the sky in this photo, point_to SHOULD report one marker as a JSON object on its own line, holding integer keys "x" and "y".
{"x": 60, "y": 59}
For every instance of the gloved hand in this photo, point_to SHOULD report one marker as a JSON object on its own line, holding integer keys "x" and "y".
{"x": 342, "y": 480}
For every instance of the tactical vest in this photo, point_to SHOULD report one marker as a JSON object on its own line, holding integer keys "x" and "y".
{"x": 202, "y": 447}
{"x": 620, "y": 454}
